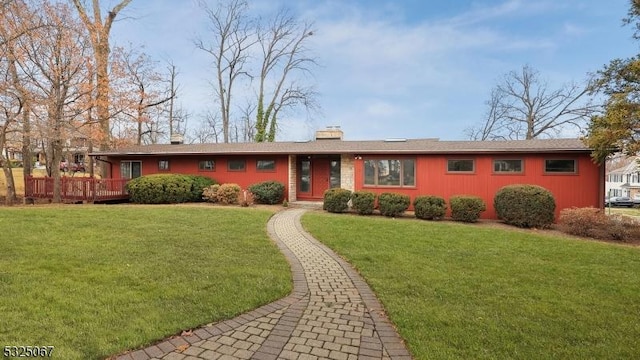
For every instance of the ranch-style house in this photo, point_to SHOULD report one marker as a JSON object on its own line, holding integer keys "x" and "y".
{"x": 409, "y": 166}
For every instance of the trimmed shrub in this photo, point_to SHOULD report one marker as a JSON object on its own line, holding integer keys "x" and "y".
{"x": 587, "y": 222}
{"x": 228, "y": 194}
{"x": 336, "y": 200}
{"x": 527, "y": 206}
{"x": 160, "y": 189}
{"x": 466, "y": 208}
{"x": 199, "y": 183}
{"x": 363, "y": 202}
{"x": 267, "y": 192}
{"x": 210, "y": 193}
{"x": 393, "y": 204}
{"x": 594, "y": 223}
{"x": 429, "y": 207}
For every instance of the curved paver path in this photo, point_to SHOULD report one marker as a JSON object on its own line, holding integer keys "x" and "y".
{"x": 331, "y": 313}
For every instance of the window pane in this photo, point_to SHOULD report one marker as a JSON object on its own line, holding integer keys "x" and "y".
{"x": 408, "y": 172}
{"x": 125, "y": 170}
{"x": 460, "y": 165}
{"x": 305, "y": 176}
{"x": 560, "y": 166}
{"x": 507, "y": 165}
{"x": 334, "y": 177}
{"x": 389, "y": 172}
{"x": 163, "y": 165}
{"x": 136, "y": 169}
{"x": 266, "y": 165}
{"x": 369, "y": 172}
{"x": 235, "y": 165}
{"x": 206, "y": 165}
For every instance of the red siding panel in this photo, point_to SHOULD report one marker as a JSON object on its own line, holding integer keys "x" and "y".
{"x": 580, "y": 190}
{"x": 189, "y": 165}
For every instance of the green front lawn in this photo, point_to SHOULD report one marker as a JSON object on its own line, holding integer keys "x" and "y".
{"x": 475, "y": 292}
{"x": 96, "y": 280}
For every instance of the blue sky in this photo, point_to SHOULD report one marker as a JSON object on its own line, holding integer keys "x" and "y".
{"x": 404, "y": 68}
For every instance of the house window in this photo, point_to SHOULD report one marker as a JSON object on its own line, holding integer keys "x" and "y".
{"x": 305, "y": 176}
{"x": 334, "y": 174}
{"x": 266, "y": 165}
{"x": 206, "y": 165}
{"x": 130, "y": 169}
{"x": 507, "y": 166}
{"x": 163, "y": 165}
{"x": 236, "y": 165}
{"x": 460, "y": 165}
{"x": 78, "y": 158}
{"x": 557, "y": 166}
{"x": 393, "y": 172}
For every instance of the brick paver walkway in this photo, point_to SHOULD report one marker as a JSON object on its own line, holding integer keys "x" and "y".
{"x": 331, "y": 314}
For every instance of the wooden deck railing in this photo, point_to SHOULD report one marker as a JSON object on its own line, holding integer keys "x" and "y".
{"x": 76, "y": 188}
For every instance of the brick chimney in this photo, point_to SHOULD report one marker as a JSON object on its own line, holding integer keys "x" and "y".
{"x": 329, "y": 133}
{"x": 176, "y": 139}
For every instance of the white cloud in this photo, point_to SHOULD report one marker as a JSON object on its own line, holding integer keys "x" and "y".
{"x": 382, "y": 74}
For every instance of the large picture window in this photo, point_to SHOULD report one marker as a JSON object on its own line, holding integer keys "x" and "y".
{"x": 560, "y": 166}
{"x": 390, "y": 172}
{"x": 507, "y": 166}
{"x": 461, "y": 165}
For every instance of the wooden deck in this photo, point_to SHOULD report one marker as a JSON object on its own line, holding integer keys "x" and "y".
{"x": 77, "y": 189}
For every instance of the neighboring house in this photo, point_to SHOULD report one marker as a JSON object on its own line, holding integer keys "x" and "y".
{"x": 413, "y": 167}
{"x": 623, "y": 179}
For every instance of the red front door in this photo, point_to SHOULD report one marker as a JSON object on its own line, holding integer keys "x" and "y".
{"x": 319, "y": 177}
{"x": 313, "y": 177}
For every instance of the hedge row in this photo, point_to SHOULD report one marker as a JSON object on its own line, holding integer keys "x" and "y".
{"x": 179, "y": 188}
{"x": 167, "y": 188}
{"x": 464, "y": 208}
{"x": 519, "y": 205}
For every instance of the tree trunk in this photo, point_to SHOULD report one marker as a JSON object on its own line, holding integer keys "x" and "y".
{"x": 11, "y": 186}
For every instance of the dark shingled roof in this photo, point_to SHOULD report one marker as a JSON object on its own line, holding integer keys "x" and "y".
{"x": 393, "y": 146}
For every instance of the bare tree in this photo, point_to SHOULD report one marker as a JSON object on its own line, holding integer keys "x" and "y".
{"x": 11, "y": 107}
{"x": 146, "y": 89}
{"x": 522, "y": 106}
{"x": 283, "y": 53}
{"x": 99, "y": 31}
{"x": 173, "y": 94}
{"x": 55, "y": 65}
{"x": 232, "y": 37}
{"x": 17, "y": 20}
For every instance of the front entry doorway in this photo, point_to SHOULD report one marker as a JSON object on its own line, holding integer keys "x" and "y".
{"x": 316, "y": 174}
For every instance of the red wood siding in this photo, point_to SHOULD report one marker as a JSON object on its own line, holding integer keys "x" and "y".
{"x": 189, "y": 165}
{"x": 581, "y": 189}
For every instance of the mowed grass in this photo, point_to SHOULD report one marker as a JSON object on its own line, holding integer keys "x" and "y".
{"x": 623, "y": 211}
{"x": 94, "y": 281}
{"x": 460, "y": 291}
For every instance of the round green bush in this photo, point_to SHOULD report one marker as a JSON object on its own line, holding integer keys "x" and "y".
{"x": 267, "y": 192}
{"x": 336, "y": 200}
{"x": 160, "y": 189}
{"x": 363, "y": 202}
{"x": 393, "y": 204}
{"x": 429, "y": 207}
{"x": 466, "y": 208}
{"x": 199, "y": 183}
{"x": 526, "y": 206}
